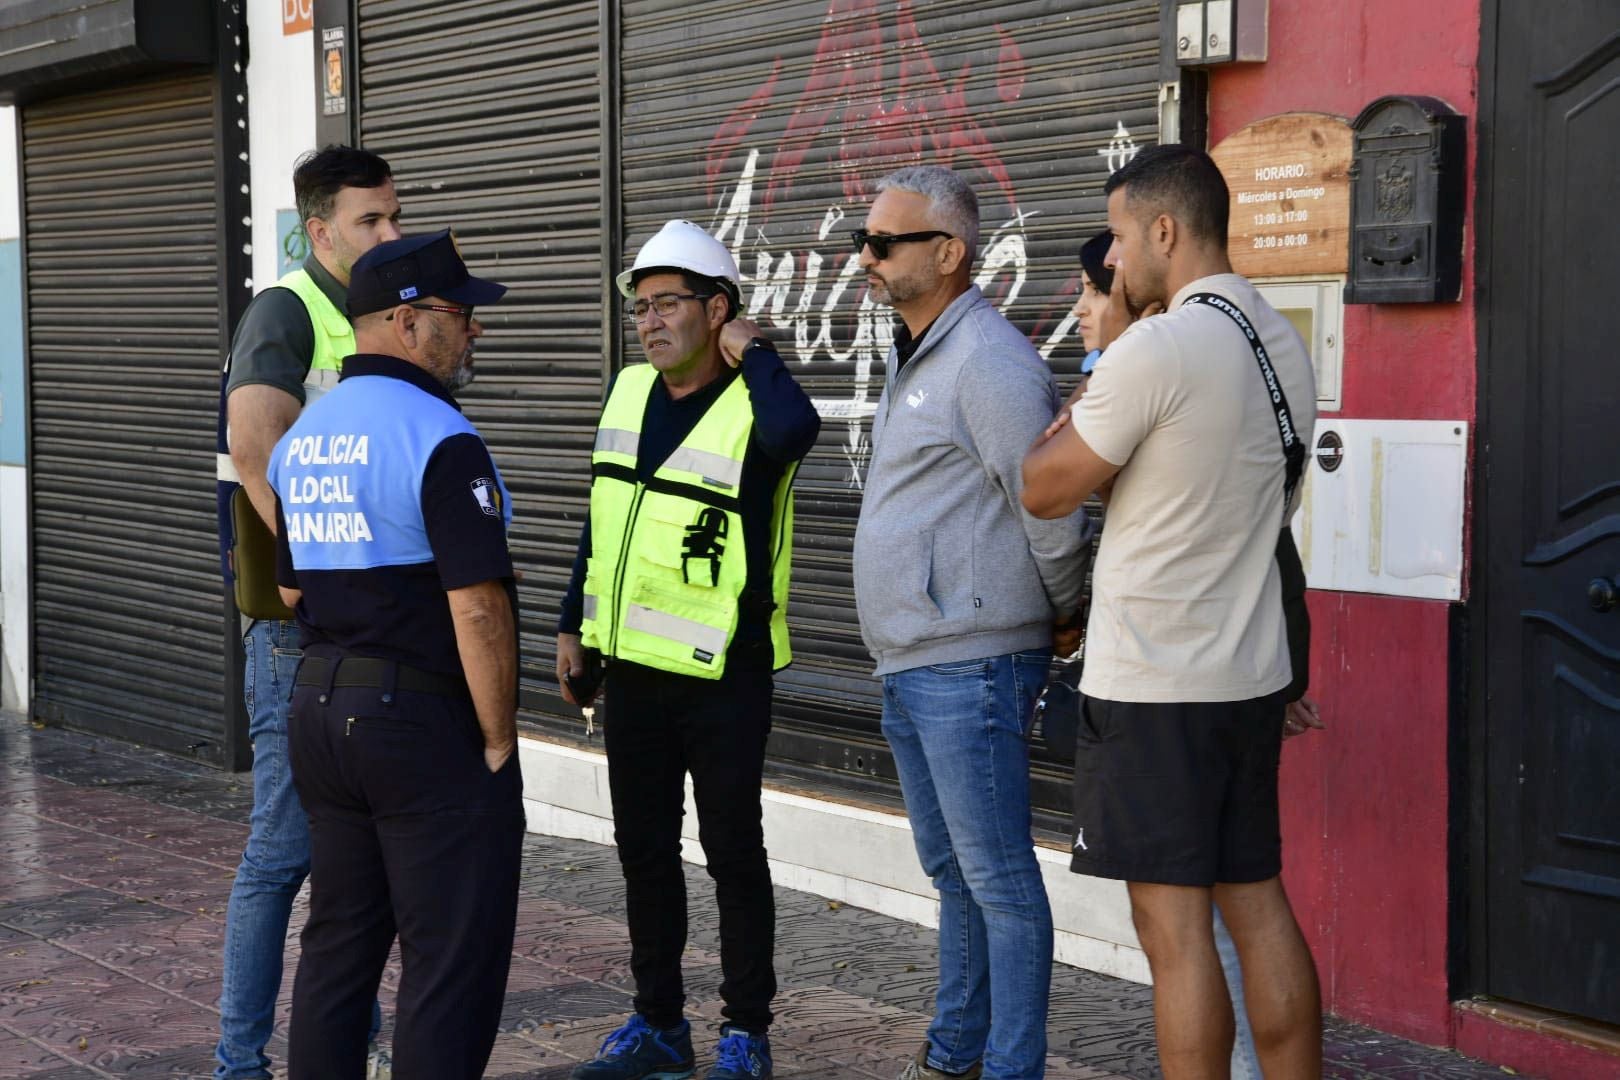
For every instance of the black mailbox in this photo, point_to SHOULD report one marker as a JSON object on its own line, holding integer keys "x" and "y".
{"x": 1407, "y": 185}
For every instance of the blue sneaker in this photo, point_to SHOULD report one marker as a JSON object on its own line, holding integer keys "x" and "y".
{"x": 741, "y": 1056}
{"x": 639, "y": 1051}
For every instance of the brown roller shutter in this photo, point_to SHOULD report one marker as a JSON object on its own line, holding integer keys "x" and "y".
{"x": 489, "y": 114}
{"x": 120, "y": 228}
{"x": 770, "y": 123}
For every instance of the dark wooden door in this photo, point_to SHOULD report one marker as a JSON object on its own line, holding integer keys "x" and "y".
{"x": 1550, "y": 490}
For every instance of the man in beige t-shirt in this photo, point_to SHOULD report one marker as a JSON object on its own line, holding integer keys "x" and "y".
{"x": 1187, "y": 654}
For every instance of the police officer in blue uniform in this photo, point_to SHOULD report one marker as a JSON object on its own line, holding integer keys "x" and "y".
{"x": 391, "y": 535}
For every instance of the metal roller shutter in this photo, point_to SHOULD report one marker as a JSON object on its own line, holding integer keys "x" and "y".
{"x": 771, "y": 123}
{"x": 120, "y": 228}
{"x": 488, "y": 112}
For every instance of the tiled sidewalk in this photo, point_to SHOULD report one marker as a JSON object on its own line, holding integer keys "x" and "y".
{"x": 116, "y": 862}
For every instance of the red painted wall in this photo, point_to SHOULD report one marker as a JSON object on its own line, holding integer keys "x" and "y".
{"x": 1364, "y": 812}
{"x": 1365, "y": 803}
{"x": 1530, "y": 1052}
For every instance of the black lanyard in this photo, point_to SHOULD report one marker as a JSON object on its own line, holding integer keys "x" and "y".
{"x": 1293, "y": 449}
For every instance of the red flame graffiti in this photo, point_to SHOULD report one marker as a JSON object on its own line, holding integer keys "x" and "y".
{"x": 925, "y": 119}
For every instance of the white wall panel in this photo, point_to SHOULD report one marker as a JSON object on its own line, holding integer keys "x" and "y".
{"x": 14, "y": 672}
{"x": 281, "y": 123}
{"x": 1389, "y": 517}
{"x": 8, "y": 173}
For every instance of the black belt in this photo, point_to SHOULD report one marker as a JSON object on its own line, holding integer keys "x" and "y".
{"x": 385, "y": 675}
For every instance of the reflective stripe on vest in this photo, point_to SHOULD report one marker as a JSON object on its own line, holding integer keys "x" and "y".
{"x": 619, "y": 441}
{"x": 668, "y": 561}
{"x": 686, "y": 632}
{"x": 716, "y": 470}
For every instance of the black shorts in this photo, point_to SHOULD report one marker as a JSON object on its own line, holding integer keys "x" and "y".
{"x": 1178, "y": 794}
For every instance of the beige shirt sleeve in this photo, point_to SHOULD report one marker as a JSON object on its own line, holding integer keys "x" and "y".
{"x": 1130, "y": 392}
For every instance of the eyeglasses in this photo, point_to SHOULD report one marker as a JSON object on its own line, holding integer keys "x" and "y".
{"x": 880, "y": 242}
{"x": 665, "y": 304}
{"x": 465, "y": 312}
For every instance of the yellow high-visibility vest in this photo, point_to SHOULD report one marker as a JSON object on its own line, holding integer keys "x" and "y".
{"x": 334, "y": 334}
{"x": 668, "y": 561}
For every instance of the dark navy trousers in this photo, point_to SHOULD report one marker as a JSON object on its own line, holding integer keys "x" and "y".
{"x": 411, "y": 835}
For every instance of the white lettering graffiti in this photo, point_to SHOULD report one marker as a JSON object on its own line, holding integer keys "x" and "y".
{"x": 1121, "y": 149}
{"x": 786, "y": 290}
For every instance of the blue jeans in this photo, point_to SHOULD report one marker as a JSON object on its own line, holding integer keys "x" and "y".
{"x": 1245, "y": 1061}
{"x": 959, "y": 733}
{"x": 273, "y": 866}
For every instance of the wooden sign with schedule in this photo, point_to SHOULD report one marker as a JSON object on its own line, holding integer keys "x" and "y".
{"x": 1289, "y": 177}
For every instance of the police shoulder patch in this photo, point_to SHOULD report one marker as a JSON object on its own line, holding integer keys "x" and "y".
{"x": 488, "y": 494}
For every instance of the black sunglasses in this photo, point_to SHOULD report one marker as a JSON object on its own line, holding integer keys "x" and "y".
{"x": 879, "y": 242}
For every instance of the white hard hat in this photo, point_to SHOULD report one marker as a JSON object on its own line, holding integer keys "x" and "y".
{"x": 681, "y": 245}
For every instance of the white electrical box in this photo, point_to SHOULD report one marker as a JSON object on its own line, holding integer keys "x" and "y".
{"x": 1382, "y": 510}
{"x": 1220, "y": 31}
{"x": 1315, "y": 305}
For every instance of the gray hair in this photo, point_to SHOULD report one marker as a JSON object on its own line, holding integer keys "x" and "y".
{"x": 951, "y": 201}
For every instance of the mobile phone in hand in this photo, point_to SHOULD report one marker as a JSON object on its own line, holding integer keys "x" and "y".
{"x": 585, "y": 685}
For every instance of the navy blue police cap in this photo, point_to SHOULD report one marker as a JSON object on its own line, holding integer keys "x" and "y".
{"x": 415, "y": 268}
{"x": 1092, "y": 254}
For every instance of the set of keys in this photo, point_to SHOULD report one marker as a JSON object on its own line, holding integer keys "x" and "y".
{"x": 589, "y": 712}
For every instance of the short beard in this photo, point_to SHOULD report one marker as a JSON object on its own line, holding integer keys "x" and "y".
{"x": 461, "y": 371}
{"x": 896, "y": 291}
{"x": 344, "y": 254}
{"x": 1144, "y": 290}
{"x": 460, "y": 379}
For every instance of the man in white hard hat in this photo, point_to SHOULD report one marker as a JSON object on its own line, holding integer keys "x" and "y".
{"x": 680, "y": 586}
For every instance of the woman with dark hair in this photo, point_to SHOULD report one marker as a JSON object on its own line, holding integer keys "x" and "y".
{"x": 1096, "y": 281}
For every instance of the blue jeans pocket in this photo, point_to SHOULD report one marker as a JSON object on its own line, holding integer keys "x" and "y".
{"x": 962, "y": 667}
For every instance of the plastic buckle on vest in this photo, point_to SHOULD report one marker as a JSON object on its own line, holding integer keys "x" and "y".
{"x": 703, "y": 543}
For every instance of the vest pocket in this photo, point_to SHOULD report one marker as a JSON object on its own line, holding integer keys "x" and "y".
{"x": 688, "y": 550}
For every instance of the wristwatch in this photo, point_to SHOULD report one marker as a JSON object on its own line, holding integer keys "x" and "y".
{"x": 760, "y": 343}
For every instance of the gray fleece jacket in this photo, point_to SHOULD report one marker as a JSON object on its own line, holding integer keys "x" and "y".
{"x": 948, "y": 565}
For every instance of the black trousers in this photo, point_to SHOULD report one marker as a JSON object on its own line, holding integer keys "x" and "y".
{"x": 659, "y": 728}
{"x": 411, "y": 834}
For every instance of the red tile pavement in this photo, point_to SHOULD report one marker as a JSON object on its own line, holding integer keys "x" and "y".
{"x": 116, "y": 863}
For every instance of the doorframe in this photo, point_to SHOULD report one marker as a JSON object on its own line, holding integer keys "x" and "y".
{"x": 233, "y": 203}
{"x": 26, "y": 692}
{"x": 1468, "y": 951}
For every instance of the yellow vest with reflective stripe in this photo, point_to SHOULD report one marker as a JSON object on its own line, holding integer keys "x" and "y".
{"x": 334, "y": 339}
{"x": 668, "y": 561}
{"x": 334, "y": 334}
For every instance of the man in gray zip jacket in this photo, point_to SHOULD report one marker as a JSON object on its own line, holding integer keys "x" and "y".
{"x": 959, "y": 590}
